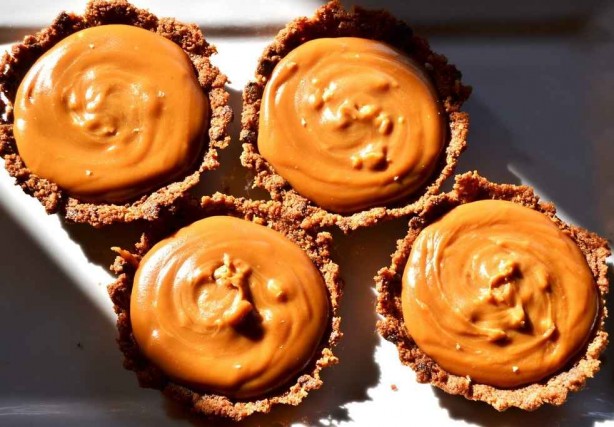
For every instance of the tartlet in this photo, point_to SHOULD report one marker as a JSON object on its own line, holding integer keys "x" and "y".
{"x": 553, "y": 389}
{"x": 189, "y": 38}
{"x": 333, "y": 21}
{"x": 272, "y": 215}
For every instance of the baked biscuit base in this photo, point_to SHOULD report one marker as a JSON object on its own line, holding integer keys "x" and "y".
{"x": 332, "y": 20}
{"x": 554, "y": 389}
{"x": 271, "y": 214}
{"x": 16, "y": 63}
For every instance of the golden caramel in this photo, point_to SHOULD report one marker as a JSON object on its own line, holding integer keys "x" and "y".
{"x": 110, "y": 113}
{"x": 351, "y": 123}
{"x": 228, "y": 306}
{"x": 497, "y": 292}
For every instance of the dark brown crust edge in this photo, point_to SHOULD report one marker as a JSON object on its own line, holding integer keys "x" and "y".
{"x": 271, "y": 214}
{"x": 332, "y": 20}
{"x": 554, "y": 390}
{"x": 14, "y": 66}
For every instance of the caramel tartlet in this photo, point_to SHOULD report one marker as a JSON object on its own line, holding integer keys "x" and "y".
{"x": 112, "y": 116}
{"x": 352, "y": 119}
{"x": 228, "y": 307}
{"x": 493, "y": 297}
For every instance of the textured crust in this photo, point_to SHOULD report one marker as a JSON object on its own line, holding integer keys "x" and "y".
{"x": 15, "y": 65}
{"x": 271, "y": 214}
{"x": 553, "y": 390}
{"x": 331, "y": 20}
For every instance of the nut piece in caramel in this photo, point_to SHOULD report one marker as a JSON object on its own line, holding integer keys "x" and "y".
{"x": 110, "y": 113}
{"x": 351, "y": 123}
{"x": 228, "y": 306}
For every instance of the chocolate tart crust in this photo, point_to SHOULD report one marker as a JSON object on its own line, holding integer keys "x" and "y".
{"x": 332, "y": 20}
{"x": 554, "y": 389}
{"x": 15, "y": 65}
{"x": 271, "y": 214}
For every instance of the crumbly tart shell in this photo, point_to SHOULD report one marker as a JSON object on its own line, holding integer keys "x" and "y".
{"x": 271, "y": 214}
{"x": 332, "y": 20}
{"x": 16, "y": 63}
{"x": 470, "y": 187}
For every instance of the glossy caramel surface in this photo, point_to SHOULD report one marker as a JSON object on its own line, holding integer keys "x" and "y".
{"x": 110, "y": 113}
{"x": 229, "y": 306}
{"x": 351, "y": 123}
{"x": 497, "y": 292}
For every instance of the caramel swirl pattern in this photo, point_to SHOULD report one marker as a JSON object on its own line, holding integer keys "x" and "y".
{"x": 350, "y": 123}
{"x": 111, "y": 112}
{"x": 228, "y": 306}
{"x": 495, "y": 291}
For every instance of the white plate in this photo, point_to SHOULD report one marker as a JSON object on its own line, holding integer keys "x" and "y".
{"x": 541, "y": 114}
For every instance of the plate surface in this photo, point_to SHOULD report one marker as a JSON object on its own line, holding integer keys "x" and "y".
{"x": 541, "y": 114}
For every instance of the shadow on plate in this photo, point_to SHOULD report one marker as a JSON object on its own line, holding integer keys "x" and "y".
{"x": 231, "y": 177}
{"x": 59, "y": 346}
{"x": 96, "y": 243}
{"x": 490, "y": 146}
{"x": 476, "y": 18}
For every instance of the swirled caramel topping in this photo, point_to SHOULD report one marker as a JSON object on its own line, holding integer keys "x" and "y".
{"x": 110, "y": 113}
{"x": 351, "y": 123}
{"x": 228, "y": 306}
{"x": 497, "y": 292}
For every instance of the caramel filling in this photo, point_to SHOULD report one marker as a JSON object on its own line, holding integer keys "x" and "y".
{"x": 497, "y": 292}
{"x": 228, "y": 306}
{"x": 351, "y": 123}
{"x": 110, "y": 113}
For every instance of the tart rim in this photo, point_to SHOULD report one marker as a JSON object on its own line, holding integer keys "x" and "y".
{"x": 269, "y": 213}
{"x": 554, "y": 389}
{"x": 148, "y": 207}
{"x": 332, "y": 20}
